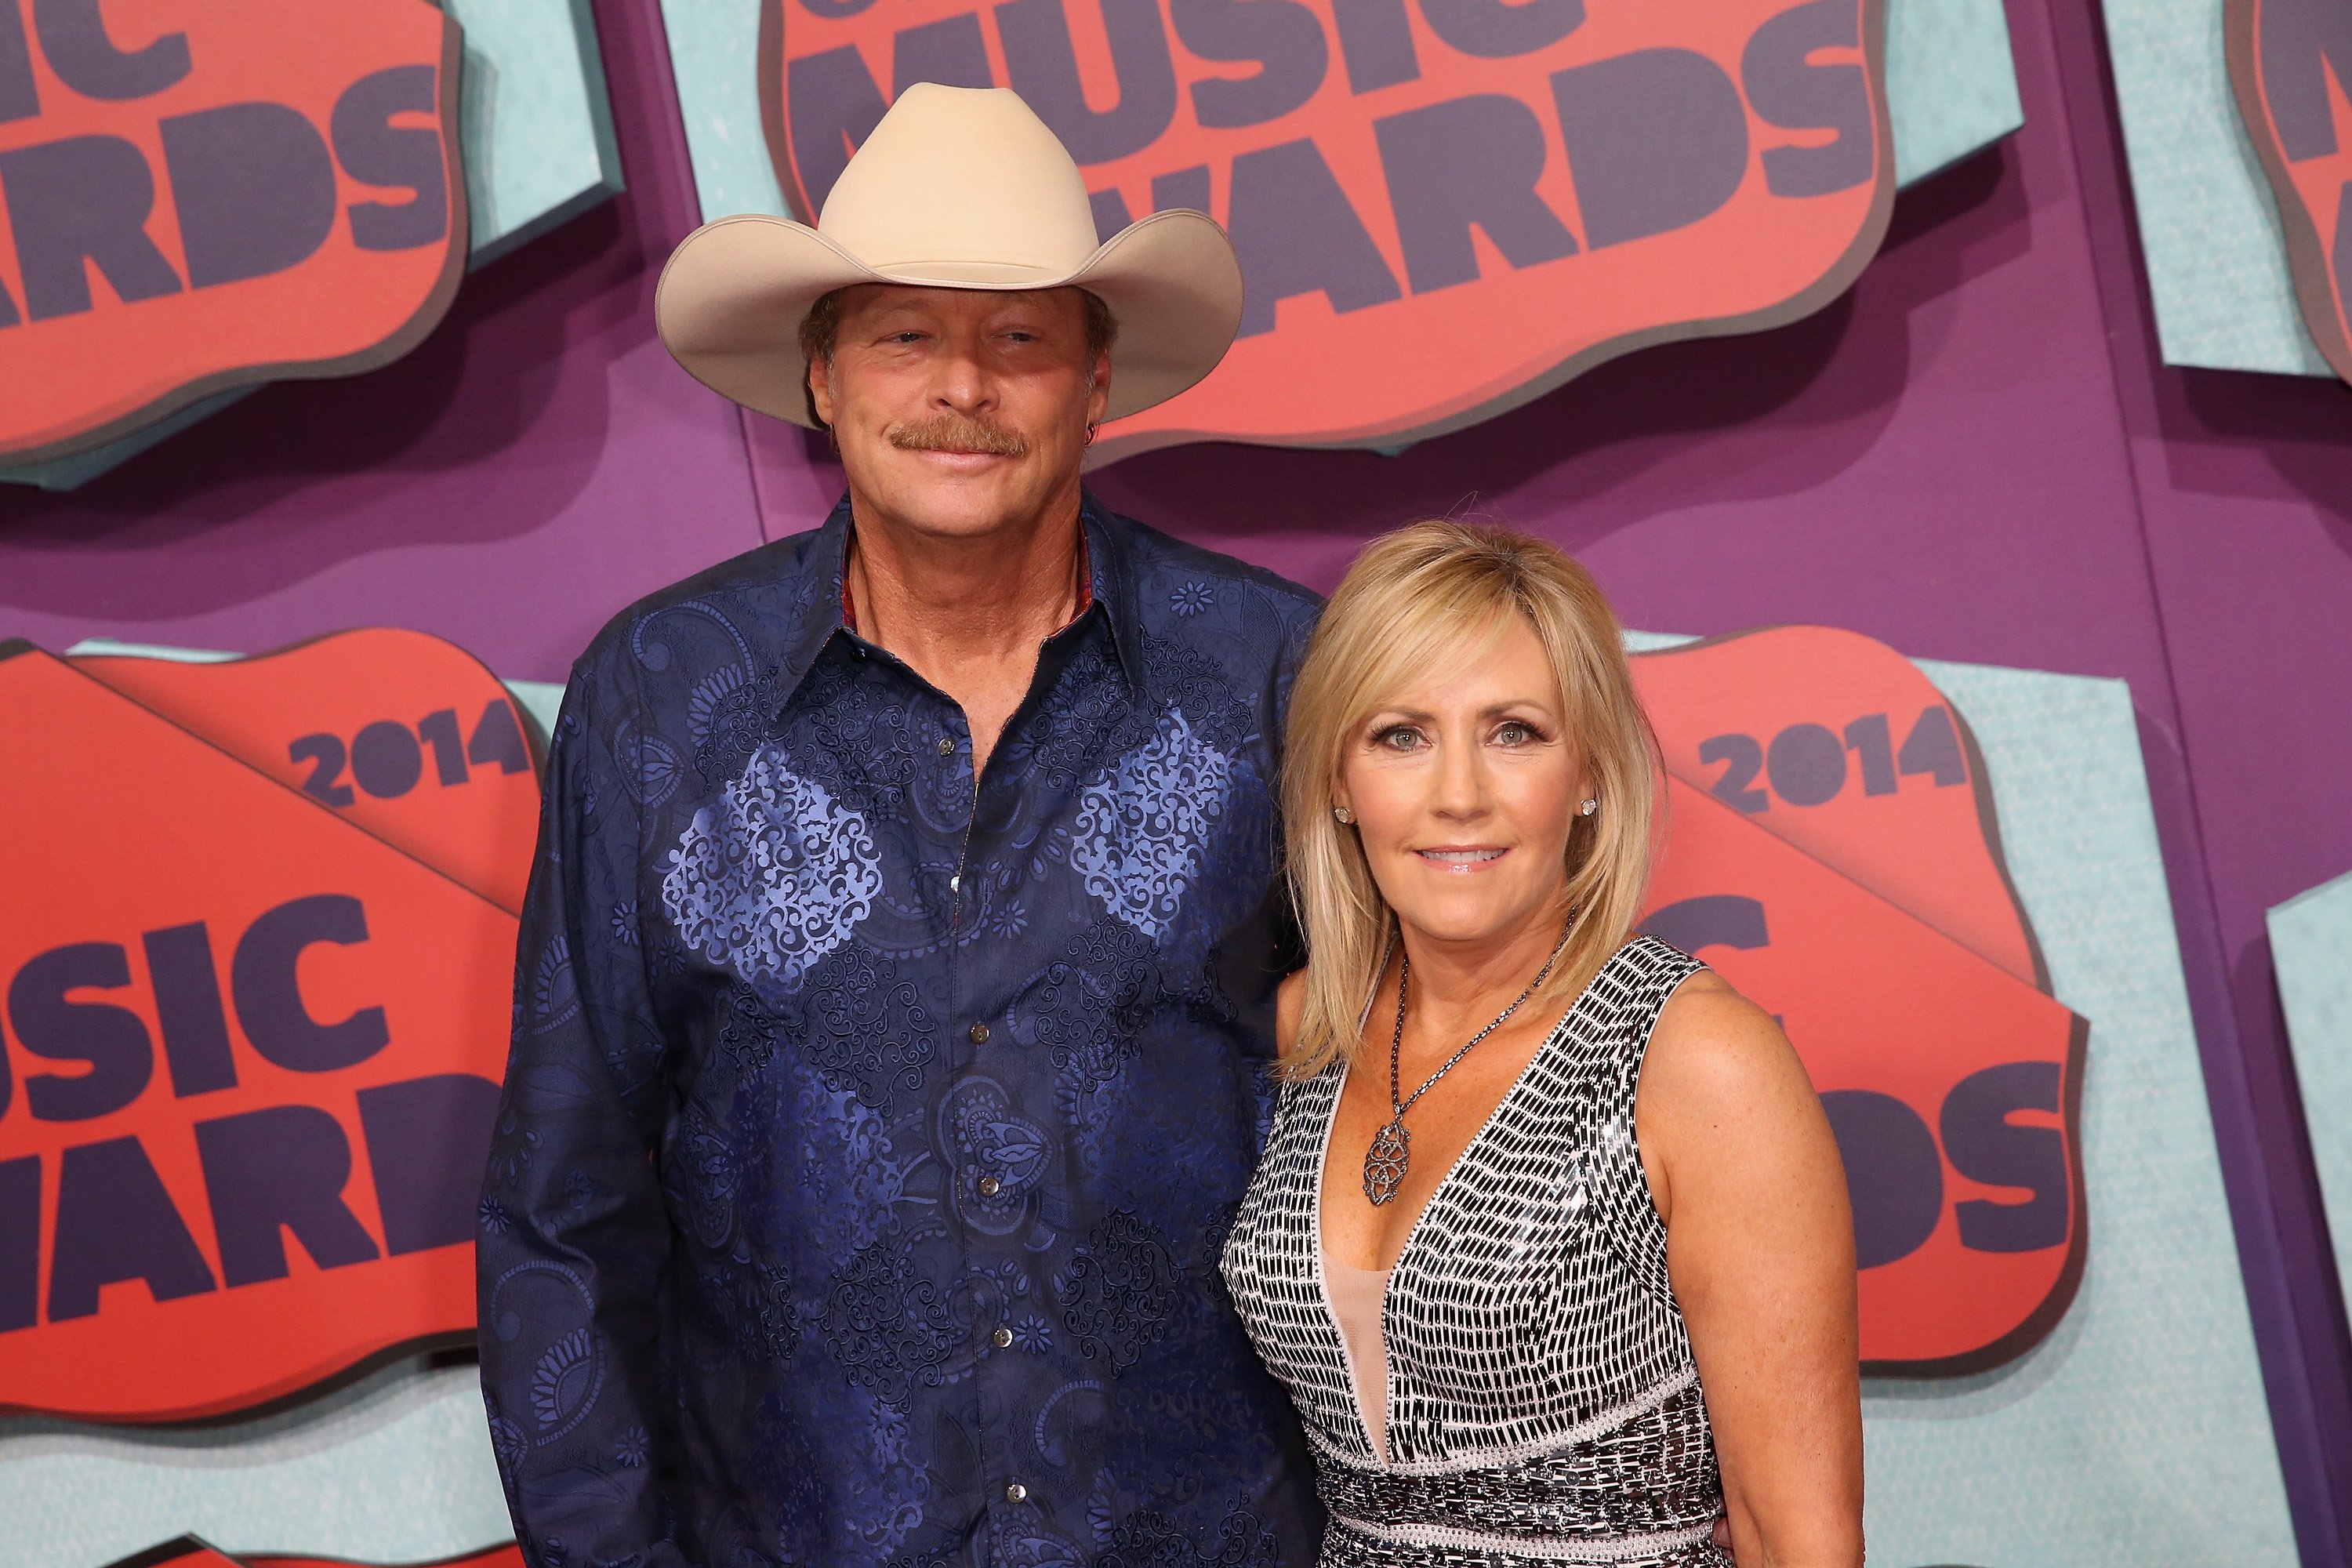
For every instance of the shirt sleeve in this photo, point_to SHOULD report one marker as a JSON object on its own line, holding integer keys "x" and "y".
{"x": 574, "y": 1241}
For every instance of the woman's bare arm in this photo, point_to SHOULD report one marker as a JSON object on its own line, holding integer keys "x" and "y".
{"x": 1760, "y": 1249}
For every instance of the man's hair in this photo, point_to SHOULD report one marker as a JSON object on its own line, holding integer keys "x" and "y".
{"x": 822, "y": 325}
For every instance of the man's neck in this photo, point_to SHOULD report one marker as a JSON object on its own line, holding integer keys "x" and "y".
{"x": 967, "y": 615}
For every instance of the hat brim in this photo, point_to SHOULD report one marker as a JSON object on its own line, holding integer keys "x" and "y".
{"x": 732, "y": 298}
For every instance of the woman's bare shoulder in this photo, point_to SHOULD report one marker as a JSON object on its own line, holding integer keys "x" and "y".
{"x": 1726, "y": 1112}
{"x": 1707, "y": 1004}
{"x": 1713, "y": 1048}
{"x": 1289, "y": 999}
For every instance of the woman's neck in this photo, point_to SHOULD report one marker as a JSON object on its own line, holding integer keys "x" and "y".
{"x": 1458, "y": 986}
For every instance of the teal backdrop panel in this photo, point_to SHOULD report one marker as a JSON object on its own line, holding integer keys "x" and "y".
{"x": 533, "y": 119}
{"x": 2208, "y": 226}
{"x": 1951, "y": 89}
{"x": 1951, "y": 86}
{"x": 535, "y": 129}
{"x": 714, "y": 47}
{"x": 2311, "y": 947}
{"x": 394, "y": 1468}
{"x": 2136, "y": 1433}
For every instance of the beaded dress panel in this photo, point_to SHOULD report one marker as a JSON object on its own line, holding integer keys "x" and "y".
{"x": 1543, "y": 1405}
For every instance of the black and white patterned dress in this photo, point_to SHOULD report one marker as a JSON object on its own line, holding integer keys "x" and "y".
{"x": 1543, "y": 1404}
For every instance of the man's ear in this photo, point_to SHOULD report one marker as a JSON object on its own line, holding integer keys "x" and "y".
{"x": 819, "y": 382}
{"x": 1098, "y": 400}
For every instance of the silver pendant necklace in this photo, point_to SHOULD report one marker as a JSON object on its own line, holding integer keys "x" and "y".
{"x": 1386, "y": 1161}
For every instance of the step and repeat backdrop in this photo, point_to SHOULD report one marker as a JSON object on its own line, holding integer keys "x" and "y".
{"x": 256, "y": 947}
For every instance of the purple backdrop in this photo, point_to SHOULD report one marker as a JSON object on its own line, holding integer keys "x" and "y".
{"x": 1975, "y": 456}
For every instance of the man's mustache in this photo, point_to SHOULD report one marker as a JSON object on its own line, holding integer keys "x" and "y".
{"x": 958, "y": 433}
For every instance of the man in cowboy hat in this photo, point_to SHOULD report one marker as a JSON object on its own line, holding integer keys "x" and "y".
{"x": 891, "y": 1044}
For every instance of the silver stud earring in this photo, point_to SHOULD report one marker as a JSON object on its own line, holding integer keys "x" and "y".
{"x": 1342, "y": 815}
{"x": 1590, "y": 806}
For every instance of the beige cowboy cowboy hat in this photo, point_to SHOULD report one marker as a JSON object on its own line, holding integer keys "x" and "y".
{"x": 956, "y": 188}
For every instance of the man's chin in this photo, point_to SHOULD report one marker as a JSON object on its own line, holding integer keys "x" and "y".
{"x": 959, "y": 505}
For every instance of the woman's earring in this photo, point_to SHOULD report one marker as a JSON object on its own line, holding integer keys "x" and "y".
{"x": 1590, "y": 806}
{"x": 1091, "y": 435}
{"x": 1342, "y": 815}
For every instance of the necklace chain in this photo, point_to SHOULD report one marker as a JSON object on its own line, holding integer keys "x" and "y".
{"x": 1390, "y": 1156}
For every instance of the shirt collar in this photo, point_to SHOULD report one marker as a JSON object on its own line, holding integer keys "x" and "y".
{"x": 1109, "y": 588}
{"x": 1111, "y": 583}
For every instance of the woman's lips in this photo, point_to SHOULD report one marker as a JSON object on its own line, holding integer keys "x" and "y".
{"x": 1464, "y": 858}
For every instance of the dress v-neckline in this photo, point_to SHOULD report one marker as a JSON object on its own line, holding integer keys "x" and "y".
{"x": 1412, "y": 1232}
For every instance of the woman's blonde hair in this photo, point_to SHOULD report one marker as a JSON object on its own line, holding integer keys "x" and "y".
{"x": 1417, "y": 603}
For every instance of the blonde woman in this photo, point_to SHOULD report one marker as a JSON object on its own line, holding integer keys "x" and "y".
{"x": 1550, "y": 1241}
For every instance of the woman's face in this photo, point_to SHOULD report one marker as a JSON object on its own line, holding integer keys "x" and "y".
{"x": 1464, "y": 789}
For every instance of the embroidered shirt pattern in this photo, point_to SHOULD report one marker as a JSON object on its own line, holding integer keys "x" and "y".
{"x": 772, "y": 877}
{"x": 1143, "y": 828}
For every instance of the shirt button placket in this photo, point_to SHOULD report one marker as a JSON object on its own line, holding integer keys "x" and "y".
{"x": 990, "y": 1184}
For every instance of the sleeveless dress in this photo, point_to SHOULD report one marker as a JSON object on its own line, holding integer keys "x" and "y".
{"x": 1543, "y": 1406}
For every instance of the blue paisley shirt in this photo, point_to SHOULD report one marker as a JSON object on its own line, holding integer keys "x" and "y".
{"x": 870, "y": 1138}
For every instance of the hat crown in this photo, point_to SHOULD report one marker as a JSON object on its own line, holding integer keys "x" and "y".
{"x": 955, "y": 178}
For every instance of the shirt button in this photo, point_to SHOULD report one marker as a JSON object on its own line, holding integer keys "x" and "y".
{"x": 979, "y": 1034}
{"x": 947, "y": 746}
{"x": 955, "y": 883}
{"x": 989, "y": 1187}
{"x": 1003, "y": 1338}
{"x": 1016, "y": 1492}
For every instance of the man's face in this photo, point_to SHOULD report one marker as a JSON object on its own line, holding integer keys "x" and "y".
{"x": 960, "y": 411}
